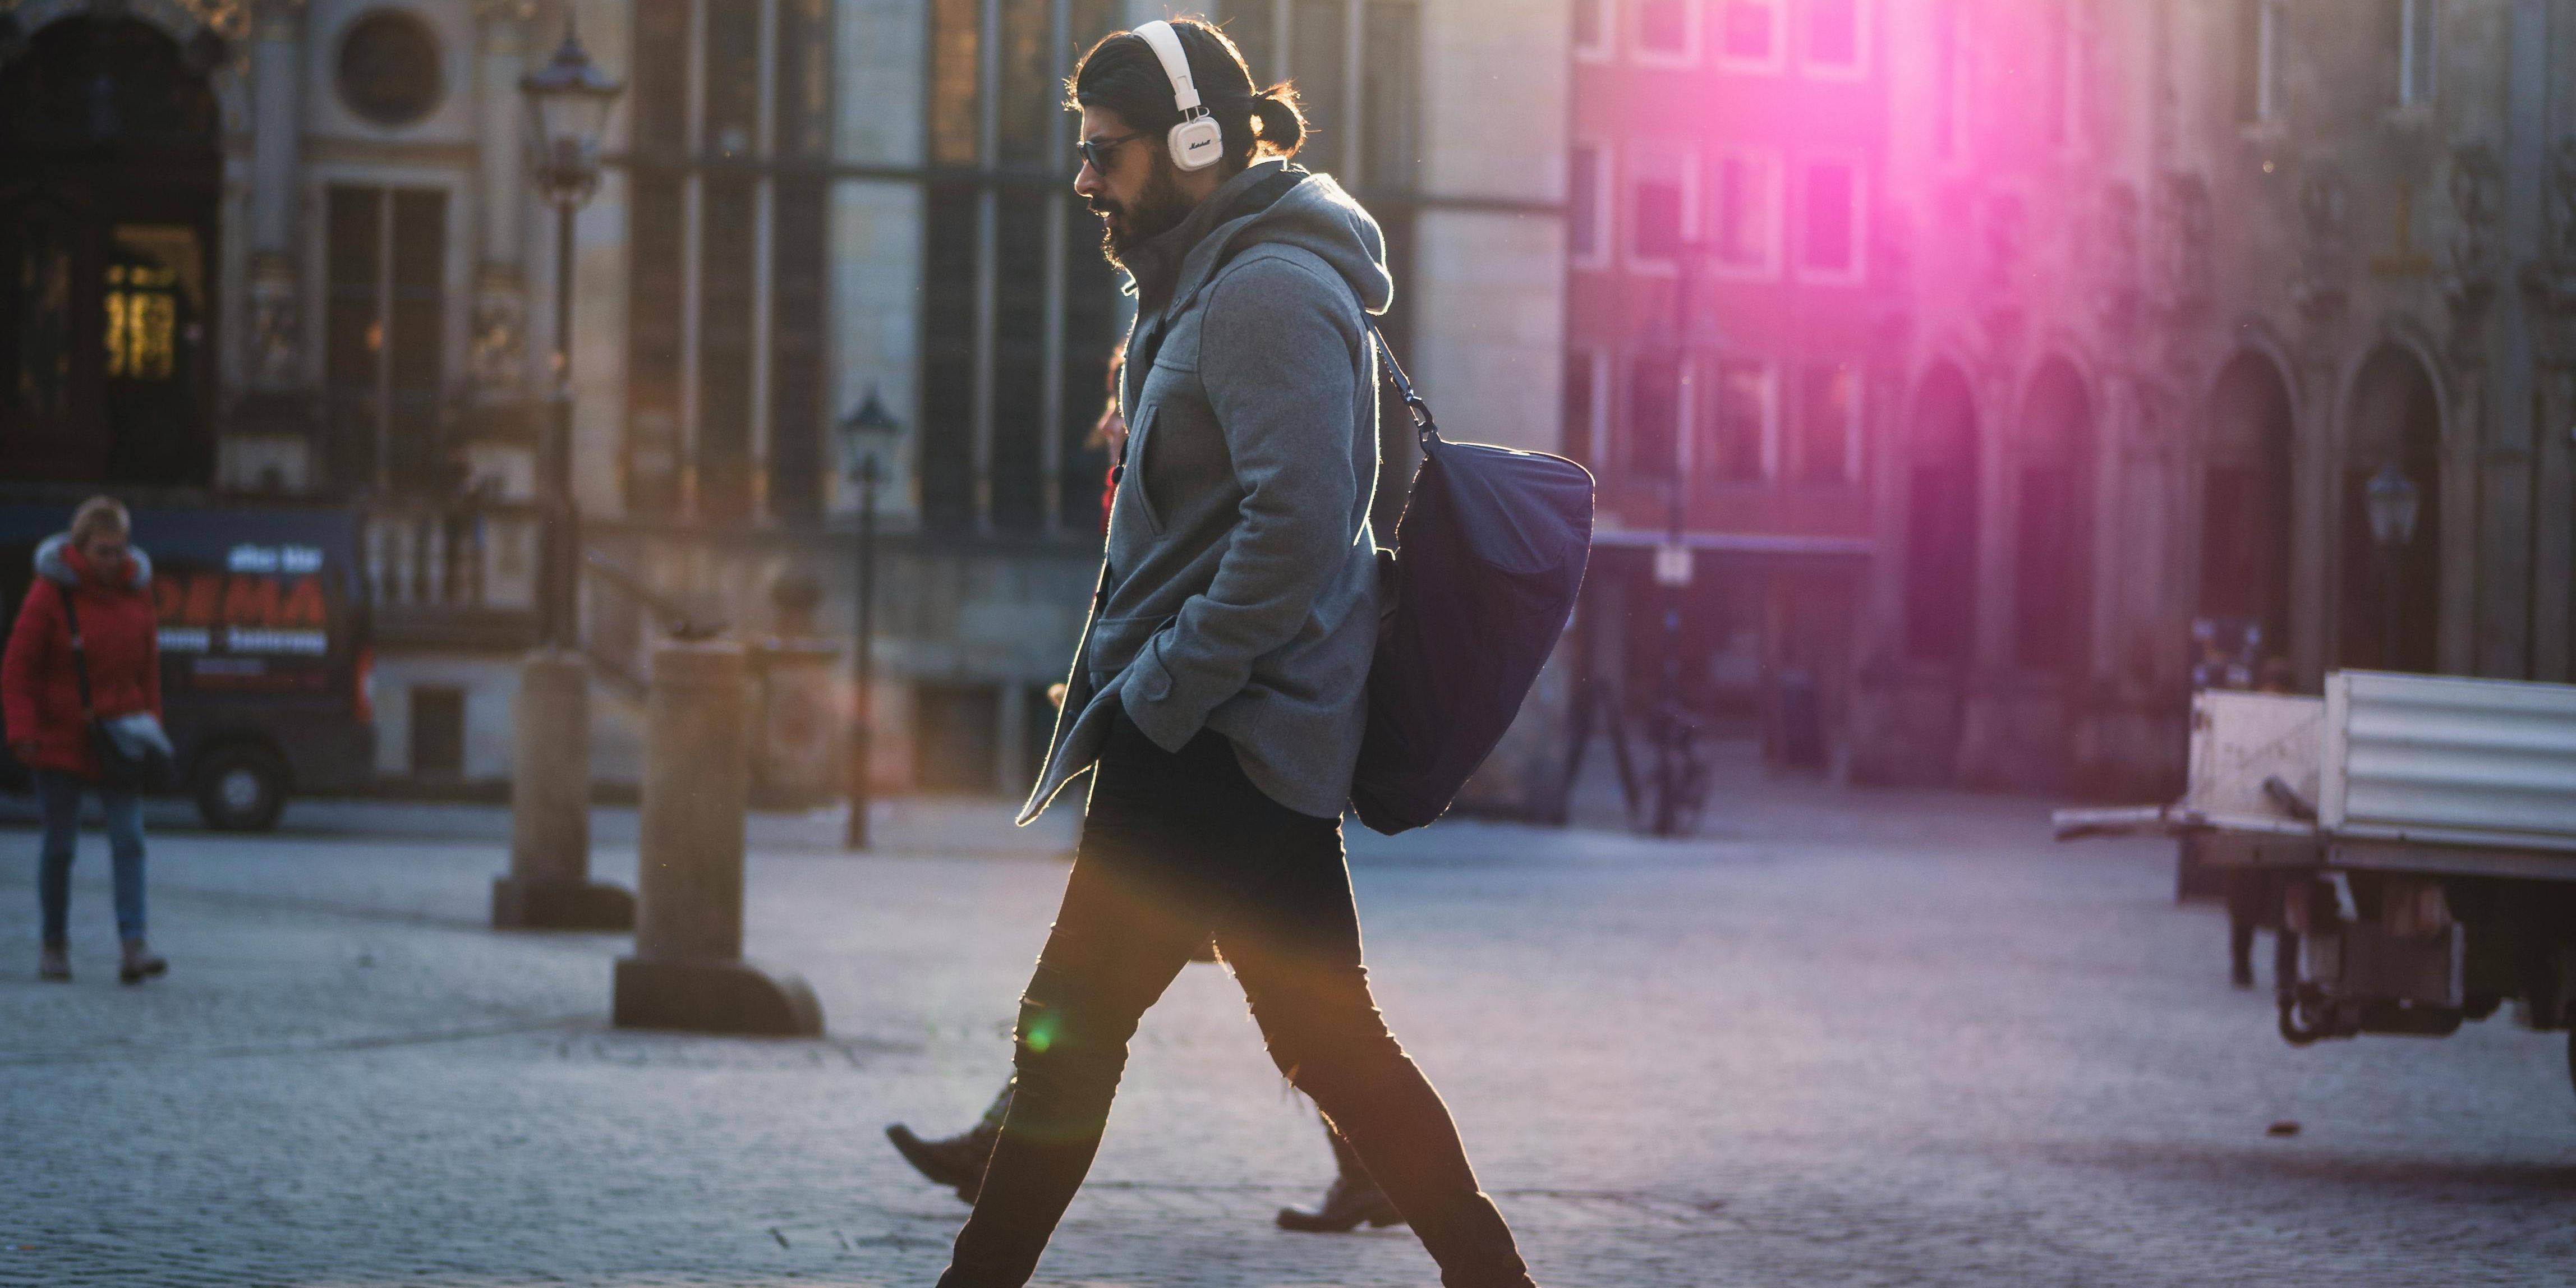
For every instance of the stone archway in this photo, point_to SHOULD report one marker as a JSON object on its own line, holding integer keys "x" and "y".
{"x": 2052, "y": 624}
{"x": 2246, "y": 503}
{"x": 1941, "y": 513}
{"x": 2394, "y": 413}
{"x": 110, "y": 171}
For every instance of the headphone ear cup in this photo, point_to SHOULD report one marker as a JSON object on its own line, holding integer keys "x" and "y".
{"x": 1196, "y": 144}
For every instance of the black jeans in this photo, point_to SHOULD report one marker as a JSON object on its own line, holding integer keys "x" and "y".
{"x": 1176, "y": 847}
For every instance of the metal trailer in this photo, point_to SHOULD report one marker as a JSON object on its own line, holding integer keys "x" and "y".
{"x": 2424, "y": 832}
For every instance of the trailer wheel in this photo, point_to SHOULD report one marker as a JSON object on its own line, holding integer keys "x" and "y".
{"x": 241, "y": 788}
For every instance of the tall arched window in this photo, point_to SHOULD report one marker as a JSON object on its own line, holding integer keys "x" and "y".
{"x": 2053, "y": 524}
{"x": 2395, "y": 416}
{"x": 2245, "y": 503}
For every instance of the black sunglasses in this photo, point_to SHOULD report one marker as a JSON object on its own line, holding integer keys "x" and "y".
{"x": 1097, "y": 151}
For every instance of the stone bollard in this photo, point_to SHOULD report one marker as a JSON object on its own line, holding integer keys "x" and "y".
{"x": 549, "y": 885}
{"x": 687, "y": 971}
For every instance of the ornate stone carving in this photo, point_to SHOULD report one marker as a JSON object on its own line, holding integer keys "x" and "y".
{"x": 2549, "y": 282}
{"x": 2325, "y": 252}
{"x": 497, "y": 352}
{"x": 2002, "y": 234}
{"x": 1891, "y": 277}
{"x": 2116, "y": 258}
{"x": 276, "y": 323}
{"x": 2469, "y": 285}
{"x": 2183, "y": 244}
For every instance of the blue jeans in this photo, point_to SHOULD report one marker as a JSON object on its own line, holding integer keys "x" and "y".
{"x": 58, "y": 799}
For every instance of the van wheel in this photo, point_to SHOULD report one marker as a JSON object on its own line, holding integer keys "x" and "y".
{"x": 241, "y": 789}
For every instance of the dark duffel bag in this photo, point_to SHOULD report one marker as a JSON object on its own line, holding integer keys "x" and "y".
{"x": 1487, "y": 561}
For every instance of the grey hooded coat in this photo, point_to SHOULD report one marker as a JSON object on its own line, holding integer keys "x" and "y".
{"x": 1240, "y": 591}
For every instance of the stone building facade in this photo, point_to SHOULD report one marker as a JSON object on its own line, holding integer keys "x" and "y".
{"x": 1723, "y": 310}
{"x": 2170, "y": 282}
{"x": 807, "y": 201}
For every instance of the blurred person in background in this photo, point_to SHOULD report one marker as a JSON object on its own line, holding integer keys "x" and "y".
{"x": 93, "y": 575}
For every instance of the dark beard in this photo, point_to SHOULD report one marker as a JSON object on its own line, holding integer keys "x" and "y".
{"x": 1157, "y": 210}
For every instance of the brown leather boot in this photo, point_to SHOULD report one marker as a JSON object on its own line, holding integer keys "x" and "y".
{"x": 139, "y": 964}
{"x": 955, "y": 1161}
{"x": 1350, "y": 1201}
{"x": 54, "y": 963}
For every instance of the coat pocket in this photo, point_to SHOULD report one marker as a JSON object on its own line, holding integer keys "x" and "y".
{"x": 1131, "y": 476}
{"x": 1115, "y": 642}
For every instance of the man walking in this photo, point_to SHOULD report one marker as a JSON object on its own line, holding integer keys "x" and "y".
{"x": 1219, "y": 692}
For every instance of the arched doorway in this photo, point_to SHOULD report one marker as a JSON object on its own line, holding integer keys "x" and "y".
{"x": 2394, "y": 415}
{"x": 2053, "y": 525}
{"x": 1941, "y": 522}
{"x": 109, "y": 173}
{"x": 2245, "y": 511}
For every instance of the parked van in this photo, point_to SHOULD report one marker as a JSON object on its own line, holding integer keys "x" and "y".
{"x": 264, "y": 647}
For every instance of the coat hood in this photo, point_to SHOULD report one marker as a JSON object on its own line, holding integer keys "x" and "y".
{"x": 1270, "y": 202}
{"x": 59, "y": 563}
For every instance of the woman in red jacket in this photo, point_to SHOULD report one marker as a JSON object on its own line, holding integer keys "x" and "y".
{"x": 108, "y": 583}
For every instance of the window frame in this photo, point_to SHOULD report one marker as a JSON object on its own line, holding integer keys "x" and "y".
{"x": 2419, "y": 82}
{"x": 1694, "y": 37}
{"x": 1607, "y": 47}
{"x": 1605, "y": 231}
{"x": 1722, "y": 366}
{"x": 2271, "y": 49}
{"x": 1643, "y": 157}
{"x": 1775, "y": 240}
{"x": 2068, "y": 64}
{"x": 1772, "y": 64}
{"x": 1853, "y": 421}
{"x": 1858, "y": 69}
{"x": 1678, "y": 469}
{"x": 1856, "y": 273}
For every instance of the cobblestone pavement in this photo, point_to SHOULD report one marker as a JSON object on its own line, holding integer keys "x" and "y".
{"x": 1847, "y": 1038}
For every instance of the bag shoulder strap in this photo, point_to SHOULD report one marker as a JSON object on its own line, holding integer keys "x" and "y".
{"x": 80, "y": 655}
{"x": 1425, "y": 429}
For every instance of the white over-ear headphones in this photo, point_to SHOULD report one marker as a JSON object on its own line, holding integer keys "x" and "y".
{"x": 1197, "y": 142}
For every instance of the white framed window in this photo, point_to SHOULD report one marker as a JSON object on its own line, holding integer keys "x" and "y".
{"x": 1596, "y": 36}
{"x": 1744, "y": 214}
{"x": 1587, "y": 205}
{"x": 2419, "y": 49}
{"x": 1829, "y": 423}
{"x": 1664, "y": 33}
{"x": 1836, "y": 39}
{"x": 1743, "y": 438}
{"x": 1832, "y": 232}
{"x": 1662, "y": 205}
{"x": 1752, "y": 35}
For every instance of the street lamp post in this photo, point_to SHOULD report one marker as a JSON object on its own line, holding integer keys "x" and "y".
{"x": 1673, "y": 563}
{"x": 866, "y": 431}
{"x": 572, "y": 98}
{"x": 2394, "y": 501}
{"x": 549, "y": 883}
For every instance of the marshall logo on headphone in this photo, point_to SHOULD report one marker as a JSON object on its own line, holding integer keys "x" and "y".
{"x": 1197, "y": 142}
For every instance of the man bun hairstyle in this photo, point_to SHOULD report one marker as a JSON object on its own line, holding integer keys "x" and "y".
{"x": 1122, "y": 74}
